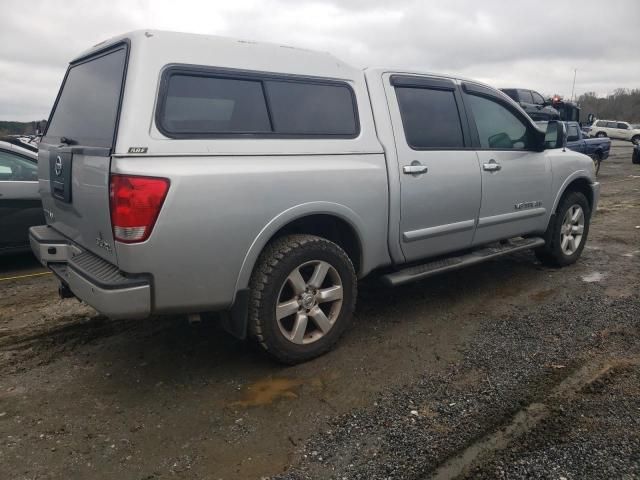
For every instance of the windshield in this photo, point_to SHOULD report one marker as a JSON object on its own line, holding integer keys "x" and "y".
{"x": 87, "y": 109}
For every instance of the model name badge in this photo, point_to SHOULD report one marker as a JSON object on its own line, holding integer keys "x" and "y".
{"x": 524, "y": 205}
{"x": 49, "y": 214}
{"x": 137, "y": 149}
{"x": 103, "y": 244}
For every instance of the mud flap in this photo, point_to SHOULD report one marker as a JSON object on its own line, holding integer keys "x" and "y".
{"x": 235, "y": 321}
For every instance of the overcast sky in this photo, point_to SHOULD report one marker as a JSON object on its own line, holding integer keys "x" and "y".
{"x": 534, "y": 44}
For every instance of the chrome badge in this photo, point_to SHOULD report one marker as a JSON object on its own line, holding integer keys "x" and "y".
{"x": 102, "y": 243}
{"x": 57, "y": 166}
{"x": 523, "y": 205}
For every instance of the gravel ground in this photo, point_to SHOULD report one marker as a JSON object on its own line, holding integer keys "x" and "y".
{"x": 429, "y": 374}
{"x": 510, "y": 363}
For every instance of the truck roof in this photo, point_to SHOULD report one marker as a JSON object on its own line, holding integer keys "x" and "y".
{"x": 163, "y": 47}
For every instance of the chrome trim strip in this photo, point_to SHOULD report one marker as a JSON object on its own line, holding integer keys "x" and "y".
{"x": 423, "y": 233}
{"x": 511, "y": 217}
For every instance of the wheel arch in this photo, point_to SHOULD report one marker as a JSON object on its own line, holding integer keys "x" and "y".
{"x": 578, "y": 182}
{"x": 332, "y": 221}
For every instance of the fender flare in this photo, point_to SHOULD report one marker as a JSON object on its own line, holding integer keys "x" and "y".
{"x": 579, "y": 174}
{"x": 283, "y": 219}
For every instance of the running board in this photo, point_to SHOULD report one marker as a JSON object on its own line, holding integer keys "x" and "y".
{"x": 418, "y": 272}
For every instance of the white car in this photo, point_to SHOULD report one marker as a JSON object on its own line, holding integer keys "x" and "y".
{"x": 615, "y": 129}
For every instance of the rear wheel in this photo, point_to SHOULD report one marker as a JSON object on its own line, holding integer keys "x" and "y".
{"x": 601, "y": 134}
{"x": 303, "y": 294}
{"x": 567, "y": 233}
{"x": 635, "y": 139}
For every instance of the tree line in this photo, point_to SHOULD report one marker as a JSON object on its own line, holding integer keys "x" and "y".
{"x": 21, "y": 128}
{"x": 623, "y": 104}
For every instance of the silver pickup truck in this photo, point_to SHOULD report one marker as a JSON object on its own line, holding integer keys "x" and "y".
{"x": 187, "y": 174}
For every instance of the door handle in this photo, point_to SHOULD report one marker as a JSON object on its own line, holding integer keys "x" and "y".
{"x": 492, "y": 166}
{"x": 416, "y": 168}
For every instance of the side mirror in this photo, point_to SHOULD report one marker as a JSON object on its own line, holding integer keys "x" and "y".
{"x": 556, "y": 135}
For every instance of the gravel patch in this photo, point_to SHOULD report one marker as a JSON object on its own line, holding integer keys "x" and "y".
{"x": 513, "y": 361}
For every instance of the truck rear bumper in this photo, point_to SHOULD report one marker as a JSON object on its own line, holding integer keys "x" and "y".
{"x": 90, "y": 278}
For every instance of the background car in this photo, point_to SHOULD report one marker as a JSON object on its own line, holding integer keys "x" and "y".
{"x": 533, "y": 103}
{"x": 615, "y": 129}
{"x": 20, "y": 203}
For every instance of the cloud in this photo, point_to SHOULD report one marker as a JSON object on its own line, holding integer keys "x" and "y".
{"x": 527, "y": 44}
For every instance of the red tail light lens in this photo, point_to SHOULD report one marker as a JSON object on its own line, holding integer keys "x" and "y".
{"x": 135, "y": 204}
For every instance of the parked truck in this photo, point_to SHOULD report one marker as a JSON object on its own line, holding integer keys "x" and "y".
{"x": 261, "y": 181}
{"x": 597, "y": 148}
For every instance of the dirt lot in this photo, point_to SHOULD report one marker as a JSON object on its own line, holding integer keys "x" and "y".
{"x": 505, "y": 370}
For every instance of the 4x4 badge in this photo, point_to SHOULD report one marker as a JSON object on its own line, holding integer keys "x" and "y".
{"x": 57, "y": 167}
{"x": 137, "y": 149}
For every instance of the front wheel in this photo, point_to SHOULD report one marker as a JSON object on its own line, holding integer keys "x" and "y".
{"x": 635, "y": 140}
{"x": 303, "y": 294}
{"x": 567, "y": 233}
{"x": 601, "y": 135}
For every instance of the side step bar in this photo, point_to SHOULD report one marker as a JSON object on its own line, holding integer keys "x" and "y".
{"x": 418, "y": 272}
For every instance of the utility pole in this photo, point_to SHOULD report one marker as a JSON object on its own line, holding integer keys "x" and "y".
{"x": 573, "y": 89}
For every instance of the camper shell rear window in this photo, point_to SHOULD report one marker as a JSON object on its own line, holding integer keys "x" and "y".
{"x": 86, "y": 110}
{"x": 200, "y": 102}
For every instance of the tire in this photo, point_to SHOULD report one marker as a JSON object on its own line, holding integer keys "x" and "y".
{"x": 635, "y": 157}
{"x": 635, "y": 139}
{"x": 601, "y": 135}
{"x": 284, "y": 335}
{"x": 555, "y": 252}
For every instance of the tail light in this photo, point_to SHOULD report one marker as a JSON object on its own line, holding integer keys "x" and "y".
{"x": 135, "y": 204}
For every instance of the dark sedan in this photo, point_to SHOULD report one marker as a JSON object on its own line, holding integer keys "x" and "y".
{"x": 20, "y": 204}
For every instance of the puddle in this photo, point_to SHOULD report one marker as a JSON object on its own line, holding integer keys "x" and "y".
{"x": 593, "y": 277}
{"x": 541, "y": 296}
{"x": 267, "y": 391}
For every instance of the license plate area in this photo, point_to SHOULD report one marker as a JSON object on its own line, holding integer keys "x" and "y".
{"x": 60, "y": 165}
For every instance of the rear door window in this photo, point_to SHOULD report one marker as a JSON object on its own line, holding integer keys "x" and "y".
{"x": 511, "y": 92}
{"x": 15, "y": 168}
{"x": 87, "y": 109}
{"x": 537, "y": 98}
{"x": 525, "y": 96}
{"x": 572, "y": 133}
{"x": 430, "y": 118}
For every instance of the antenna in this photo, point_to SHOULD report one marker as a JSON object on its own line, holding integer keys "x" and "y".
{"x": 575, "y": 71}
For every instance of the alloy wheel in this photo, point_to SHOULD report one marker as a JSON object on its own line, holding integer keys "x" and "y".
{"x": 572, "y": 230}
{"x": 309, "y": 302}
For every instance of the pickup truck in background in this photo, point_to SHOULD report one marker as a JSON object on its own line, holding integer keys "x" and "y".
{"x": 261, "y": 182}
{"x": 597, "y": 148}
